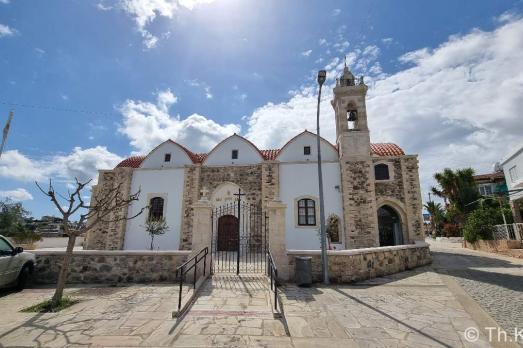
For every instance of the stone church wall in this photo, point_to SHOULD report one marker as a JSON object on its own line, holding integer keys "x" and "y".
{"x": 191, "y": 194}
{"x": 248, "y": 177}
{"x": 110, "y": 235}
{"x": 361, "y": 225}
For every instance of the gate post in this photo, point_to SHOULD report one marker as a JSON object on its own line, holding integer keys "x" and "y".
{"x": 202, "y": 228}
{"x": 276, "y": 212}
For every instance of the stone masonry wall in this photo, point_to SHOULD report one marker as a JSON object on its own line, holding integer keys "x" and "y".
{"x": 413, "y": 202}
{"x": 347, "y": 266}
{"x": 110, "y": 235}
{"x": 393, "y": 188}
{"x": 248, "y": 177}
{"x": 110, "y": 266}
{"x": 361, "y": 225}
{"x": 191, "y": 194}
{"x": 270, "y": 182}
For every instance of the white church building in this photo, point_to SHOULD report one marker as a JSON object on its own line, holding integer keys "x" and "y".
{"x": 372, "y": 193}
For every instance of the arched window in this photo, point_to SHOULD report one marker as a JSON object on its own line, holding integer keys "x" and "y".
{"x": 156, "y": 208}
{"x": 306, "y": 212}
{"x": 381, "y": 171}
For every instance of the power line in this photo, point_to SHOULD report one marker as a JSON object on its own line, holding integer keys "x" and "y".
{"x": 54, "y": 108}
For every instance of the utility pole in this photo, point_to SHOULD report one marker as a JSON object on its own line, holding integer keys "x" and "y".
{"x": 6, "y": 132}
{"x": 322, "y": 75}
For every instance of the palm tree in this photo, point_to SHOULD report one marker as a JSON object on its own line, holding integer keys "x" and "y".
{"x": 436, "y": 215}
{"x": 457, "y": 189}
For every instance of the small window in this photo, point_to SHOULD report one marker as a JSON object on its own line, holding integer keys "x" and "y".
{"x": 381, "y": 171}
{"x": 485, "y": 190}
{"x": 306, "y": 212}
{"x": 167, "y": 157}
{"x": 156, "y": 208}
{"x": 513, "y": 174}
{"x": 306, "y": 150}
{"x": 234, "y": 154}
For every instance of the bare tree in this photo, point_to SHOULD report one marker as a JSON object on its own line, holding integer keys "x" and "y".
{"x": 99, "y": 210}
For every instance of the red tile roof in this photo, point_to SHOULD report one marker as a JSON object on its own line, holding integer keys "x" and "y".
{"x": 131, "y": 162}
{"x": 490, "y": 176}
{"x": 386, "y": 149}
{"x": 380, "y": 149}
{"x": 270, "y": 155}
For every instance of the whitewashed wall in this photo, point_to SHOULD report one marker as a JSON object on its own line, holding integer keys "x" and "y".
{"x": 301, "y": 179}
{"x": 221, "y": 155}
{"x": 166, "y": 183}
{"x": 515, "y": 159}
{"x": 293, "y": 151}
{"x": 155, "y": 159}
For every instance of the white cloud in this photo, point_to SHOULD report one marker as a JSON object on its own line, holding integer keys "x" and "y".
{"x": 18, "y": 194}
{"x": 306, "y": 53}
{"x": 322, "y": 41}
{"x": 336, "y": 12}
{"x": 6, "y": 31}
{"x": 80, "y": 163}
{"x": 4, "y": 1}
{"x": 147, "y": 124}
{"x": 457, "y": 105}
{"x": 103, "y": 7}
{"x": 145, "y": 12}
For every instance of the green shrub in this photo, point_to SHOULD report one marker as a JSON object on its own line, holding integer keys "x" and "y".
{"x": 480, "y": 224}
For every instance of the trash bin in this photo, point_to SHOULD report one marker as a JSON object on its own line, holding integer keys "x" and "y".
{"x": 303, "y": 270}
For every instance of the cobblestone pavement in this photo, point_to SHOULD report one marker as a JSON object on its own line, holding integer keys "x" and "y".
{"x": 495, "y": 282}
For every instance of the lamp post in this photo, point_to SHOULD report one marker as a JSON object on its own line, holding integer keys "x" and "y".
{"x": 322, "y": 75}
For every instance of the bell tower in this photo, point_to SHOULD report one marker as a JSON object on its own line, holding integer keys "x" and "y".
{"x": 357, "y": 171}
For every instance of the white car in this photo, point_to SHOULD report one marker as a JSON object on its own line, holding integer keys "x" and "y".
{"x": 16, "y": 266}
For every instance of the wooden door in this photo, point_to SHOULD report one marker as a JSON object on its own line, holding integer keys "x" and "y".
{"x": 228, "y": 233}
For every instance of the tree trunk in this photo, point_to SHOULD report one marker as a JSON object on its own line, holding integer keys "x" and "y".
{"x": 152, "y": 241}
{"x": 64, "y": 271}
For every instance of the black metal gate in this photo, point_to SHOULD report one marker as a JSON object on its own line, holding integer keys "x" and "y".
{"x": 239, "y": 238}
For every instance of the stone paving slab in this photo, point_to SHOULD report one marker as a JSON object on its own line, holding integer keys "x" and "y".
{"x": 410, "y": 309}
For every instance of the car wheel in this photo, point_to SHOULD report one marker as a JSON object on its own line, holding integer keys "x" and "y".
{"x": 23, "y": 277}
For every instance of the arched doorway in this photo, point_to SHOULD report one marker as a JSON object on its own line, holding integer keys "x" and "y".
{"x": 227, "y": 233}
{"x": 389, "y": 225}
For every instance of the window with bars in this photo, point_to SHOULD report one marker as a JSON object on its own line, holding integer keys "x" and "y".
{"x": 156, "y": 208}
{"x": 306, "y": 212}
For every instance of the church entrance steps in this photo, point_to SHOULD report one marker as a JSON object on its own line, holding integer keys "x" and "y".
{"x": 233, "y": 305}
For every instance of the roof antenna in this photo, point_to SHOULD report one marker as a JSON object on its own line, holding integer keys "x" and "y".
{"x": 345, "y": 61}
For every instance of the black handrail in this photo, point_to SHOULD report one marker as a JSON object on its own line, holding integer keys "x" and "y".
{"x": 181, "y": 271}
{"x": 272, "y": 273}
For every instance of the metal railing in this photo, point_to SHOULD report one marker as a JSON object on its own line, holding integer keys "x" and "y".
{"x": 183, "y": 269}
{"x": 509, "y": 231}
{"x": 272, "y": 273}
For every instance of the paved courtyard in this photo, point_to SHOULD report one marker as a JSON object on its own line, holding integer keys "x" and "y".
{"x": 412, "y": 309}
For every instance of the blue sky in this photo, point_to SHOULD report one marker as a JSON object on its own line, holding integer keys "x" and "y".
{"x": 196, "y": 71}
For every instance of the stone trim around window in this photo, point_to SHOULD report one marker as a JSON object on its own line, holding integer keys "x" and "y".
{"x": 316, "y": 208}
{"x": 390, "y": 165}
{"x": 165, "y": 202}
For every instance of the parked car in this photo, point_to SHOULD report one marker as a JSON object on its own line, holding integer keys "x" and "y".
{"x": 16, "y": 265}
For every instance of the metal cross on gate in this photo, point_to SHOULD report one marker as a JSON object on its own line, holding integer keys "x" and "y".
{"x": 239, "y": 195}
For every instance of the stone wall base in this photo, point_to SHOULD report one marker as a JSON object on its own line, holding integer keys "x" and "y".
{"x": 347, "y": 266}
{"x": 107, "y": 267}
{"x": 493, "y": 246}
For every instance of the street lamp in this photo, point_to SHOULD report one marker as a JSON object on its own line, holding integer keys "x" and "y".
{"x": 322, "y": 75}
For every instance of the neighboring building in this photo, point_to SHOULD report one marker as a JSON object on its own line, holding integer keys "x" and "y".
{"x": 513, "y": 170}
{"x": 372, "y": 191}
{"x": 491, "y": 183}
{"x": 49, "y": 226}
